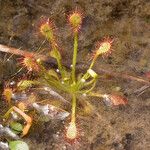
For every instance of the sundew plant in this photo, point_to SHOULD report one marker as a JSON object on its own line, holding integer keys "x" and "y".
{"x": 66, "y": 80}
{"x": 63, "y": 79}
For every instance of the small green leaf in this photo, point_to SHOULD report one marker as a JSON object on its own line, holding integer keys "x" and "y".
{"x": 16, "y": 126}
{"x": 92, "y": 73}
{"x": 24, "y": 84}
{"x": 53, "y": 73}
{"x": 55, "y": 54}
{"x": 16, "y": 132}
{"x": 18, "y": 145}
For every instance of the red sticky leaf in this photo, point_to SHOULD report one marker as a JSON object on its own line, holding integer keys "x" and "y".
{"x": 118, "y": 100}
{"x": 114, "y": 99}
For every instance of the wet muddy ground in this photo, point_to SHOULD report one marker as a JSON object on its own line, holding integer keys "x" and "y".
{"x": 127, "y": 21}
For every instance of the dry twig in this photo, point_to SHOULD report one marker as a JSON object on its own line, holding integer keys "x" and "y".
{"x": 6, "y": 49}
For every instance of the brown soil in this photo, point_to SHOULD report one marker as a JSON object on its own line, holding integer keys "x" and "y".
{"x": 127, "y": 21}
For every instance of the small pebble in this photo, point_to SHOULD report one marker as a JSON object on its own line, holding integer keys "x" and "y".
{"x": 84, "y": 94}
{"x": 57, "y": 70}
